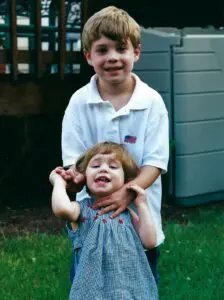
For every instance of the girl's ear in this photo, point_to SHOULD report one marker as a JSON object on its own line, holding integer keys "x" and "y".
{"x": 87, "y": 55}
{"x": 137, "y": 52}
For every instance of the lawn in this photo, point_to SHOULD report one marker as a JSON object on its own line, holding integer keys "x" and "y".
{"x": 34, "y": 265}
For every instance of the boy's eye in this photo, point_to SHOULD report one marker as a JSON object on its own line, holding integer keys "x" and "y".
{"x": 121, "y": 48}
{"x": 102, "y": 50}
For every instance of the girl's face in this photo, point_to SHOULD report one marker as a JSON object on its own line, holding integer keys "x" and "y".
{"x": 104, "y": 175}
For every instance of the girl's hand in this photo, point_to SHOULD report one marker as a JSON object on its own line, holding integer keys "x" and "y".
{"x": 75, "y": 180}
{"x": 141, "y": 196}
{"x": 54, "y": 176}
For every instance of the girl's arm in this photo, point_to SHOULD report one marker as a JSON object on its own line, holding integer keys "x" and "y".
{"x": 61, "y": 205}
{"x": 143, "y": 221}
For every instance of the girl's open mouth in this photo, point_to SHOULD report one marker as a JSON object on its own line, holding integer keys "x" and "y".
{"x": 102, "y": 179}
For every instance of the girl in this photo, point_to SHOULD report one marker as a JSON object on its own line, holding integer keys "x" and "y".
{"x": 109, "y": 259}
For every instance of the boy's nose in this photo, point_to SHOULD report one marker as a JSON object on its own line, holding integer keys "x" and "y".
{"x": 113, "y": 56}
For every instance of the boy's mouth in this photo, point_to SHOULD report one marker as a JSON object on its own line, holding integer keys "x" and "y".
{"x": 113, "y": 69}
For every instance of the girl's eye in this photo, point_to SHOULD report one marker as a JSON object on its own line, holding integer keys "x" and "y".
{"x": 95, "y": 166}
{"x": 113, "y": 166}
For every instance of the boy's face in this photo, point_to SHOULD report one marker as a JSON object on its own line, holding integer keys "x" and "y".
{"x": 104, "y": 175}
{"x": 113, "y": 61}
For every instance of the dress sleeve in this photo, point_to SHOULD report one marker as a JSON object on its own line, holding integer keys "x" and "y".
{"x": 156, "y": 146}
{"x": 72, "y": 233}
{"x": 71, "y": 139}
{"x": 76, "y": 249}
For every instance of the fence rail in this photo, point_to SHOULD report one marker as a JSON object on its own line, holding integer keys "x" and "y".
{"x": 54, "y": 34}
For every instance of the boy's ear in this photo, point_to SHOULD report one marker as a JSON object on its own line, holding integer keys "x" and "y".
{"x": 137, "y": 52}
{"x": 87, "y": 55}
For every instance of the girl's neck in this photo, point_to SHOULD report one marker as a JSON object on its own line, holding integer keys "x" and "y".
{"x": 97, "y": 198}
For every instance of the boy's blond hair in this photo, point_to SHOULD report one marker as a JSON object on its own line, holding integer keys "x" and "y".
{"x": 113, "y": 23}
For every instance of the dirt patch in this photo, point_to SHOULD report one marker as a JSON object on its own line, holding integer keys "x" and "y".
{"x": 26, "y": 220}
{"x": 41, "y": 219}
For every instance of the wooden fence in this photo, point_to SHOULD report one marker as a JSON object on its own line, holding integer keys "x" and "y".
{"x": 32, "y": 105}
{"x": 35, "y": 55}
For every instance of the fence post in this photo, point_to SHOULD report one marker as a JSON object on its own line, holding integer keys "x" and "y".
{"x": 13, "y": 39}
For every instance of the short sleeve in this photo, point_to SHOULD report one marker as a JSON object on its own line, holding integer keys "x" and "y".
{"x": 71, "y": 139}
{"x": 73, "y": 235}
{"x": 156, "y": 146}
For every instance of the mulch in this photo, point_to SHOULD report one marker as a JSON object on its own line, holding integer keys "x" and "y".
{"x": 23, "y": 220}
{"x": 41, "y": 220}
{"x": 27, "y": 220}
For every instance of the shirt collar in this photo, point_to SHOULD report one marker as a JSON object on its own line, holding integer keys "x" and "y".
{"x": 138, "y": 100}
{"x": 94, "y": 95}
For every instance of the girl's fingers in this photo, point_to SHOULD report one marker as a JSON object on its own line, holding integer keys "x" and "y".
{"x": 58, "y": 170}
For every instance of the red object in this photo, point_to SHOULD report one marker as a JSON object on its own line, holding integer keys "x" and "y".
{"x": 83, "y": 219}
{"x": 2, "y": 68}
{"x": 130, "y": 139}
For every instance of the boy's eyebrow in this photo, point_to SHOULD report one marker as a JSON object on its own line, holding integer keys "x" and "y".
{"x": 119, "y": 43}
{"x": 101, "y": 45}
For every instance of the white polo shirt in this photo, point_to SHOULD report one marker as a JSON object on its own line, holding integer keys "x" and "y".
{"x": 142, "y": 125}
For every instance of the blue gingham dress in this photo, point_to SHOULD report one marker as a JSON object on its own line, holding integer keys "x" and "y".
{"x": 109, "y": 262}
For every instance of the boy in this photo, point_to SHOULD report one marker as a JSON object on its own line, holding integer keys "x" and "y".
{"x": 117, "y": 106}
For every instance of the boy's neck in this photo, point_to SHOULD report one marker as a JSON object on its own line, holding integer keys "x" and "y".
{"x": 118, "y": 94}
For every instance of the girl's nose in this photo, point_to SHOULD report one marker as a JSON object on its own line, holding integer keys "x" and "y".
{"x": 104, "y": 168}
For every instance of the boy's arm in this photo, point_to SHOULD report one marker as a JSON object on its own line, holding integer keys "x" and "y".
{"x": 72, "y": 142}
{"x": 147, "y": 176}
{"x": 61, "y": 205}
{"x": 143, "y": 221}
{"x": 154, "y": 160}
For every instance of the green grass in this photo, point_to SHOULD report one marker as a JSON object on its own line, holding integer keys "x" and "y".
{"x": 192, "y": 259}
{"x": 35, "y": 266}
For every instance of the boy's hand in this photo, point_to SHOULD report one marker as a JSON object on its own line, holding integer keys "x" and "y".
{"x": 75, "y": 180}
{"x": 117, "y": 201}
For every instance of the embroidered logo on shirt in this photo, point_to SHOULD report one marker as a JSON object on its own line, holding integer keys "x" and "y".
{"x": 130, "y": 139}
